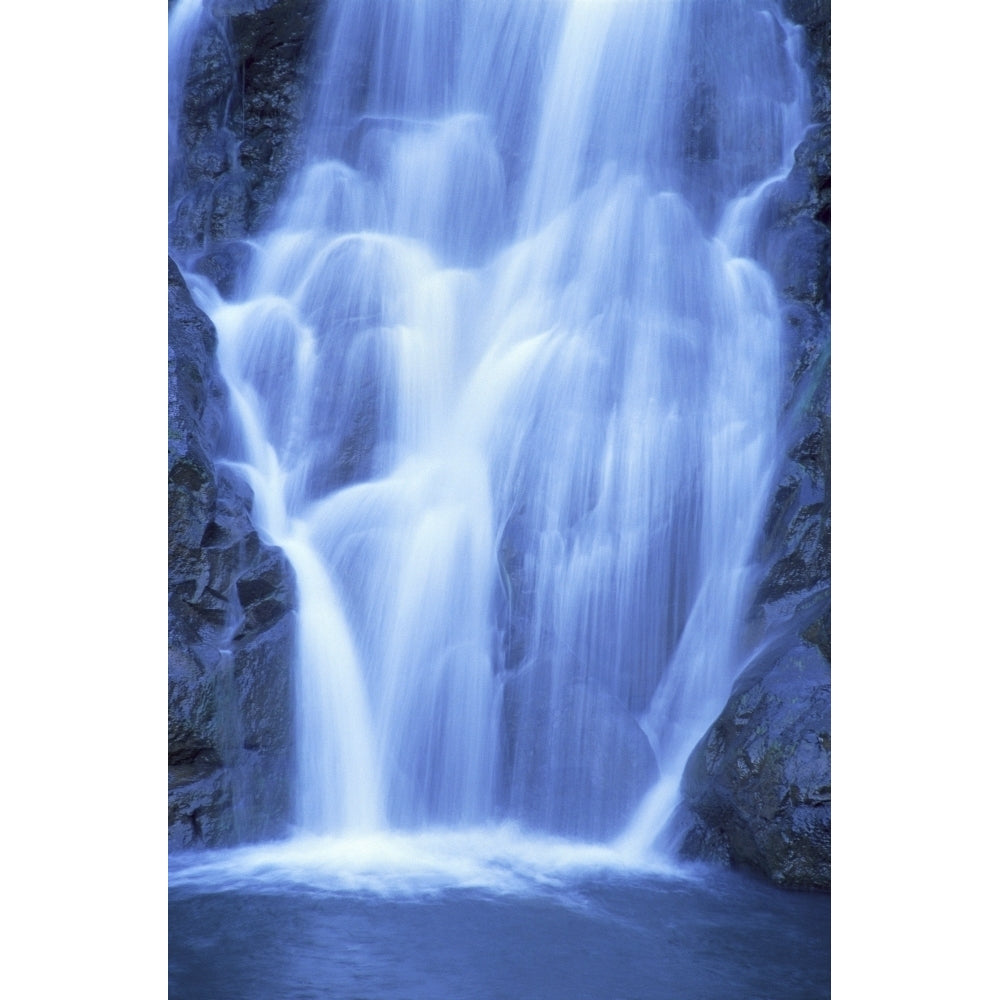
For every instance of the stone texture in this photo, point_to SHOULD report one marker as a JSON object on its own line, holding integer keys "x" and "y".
{"x": 230, "y": 630}
{"x": 757, "y": 787}
{"x": 230, "y": 634}
{"x": 814, "y": 17}
{"x": 758, "y": 784}
{"x": 241, "y": 113}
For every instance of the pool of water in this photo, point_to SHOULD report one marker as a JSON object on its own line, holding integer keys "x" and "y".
{"x": 248, "y": 924}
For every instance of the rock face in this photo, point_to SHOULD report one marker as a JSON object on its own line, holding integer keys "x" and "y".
{"x": 241, "y": 112}
{"x": 230, "y": 630}
{"x": 757, "y": 787}
{"x": 230, "y": 619}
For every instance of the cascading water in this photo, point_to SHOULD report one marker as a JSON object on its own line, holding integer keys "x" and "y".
{"x": 508, "y": 387}
{"x": 185, "y": 20}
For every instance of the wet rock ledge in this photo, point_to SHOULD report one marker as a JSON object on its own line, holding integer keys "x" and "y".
{"x": 757, "y": 787}
{"x": 230, "y": 627}
{"x": 231, "y": 596}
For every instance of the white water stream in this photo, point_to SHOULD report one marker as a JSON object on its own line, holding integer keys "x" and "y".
{"x": 508, "y": 392}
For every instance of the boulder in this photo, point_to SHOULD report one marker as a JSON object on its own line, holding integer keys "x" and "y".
{"x": 757, "y": 786}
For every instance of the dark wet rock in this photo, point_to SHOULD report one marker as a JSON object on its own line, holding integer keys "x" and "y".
{"x": 795, "y": 225}
{"x": 212, "y": 157}
{"x": 758, "y": 784}
{"x": 207, "y": 87}
{"x": 230, "y": 208}
{"x": 264, "y": 682}
{"x": 230, "y": 631}
{"x": 798, "y": 256}
{"x": 225, "y": 266}
{"x": 195, "y": 401}
{"x": 199, "y": 812}
{"x": 806, "y": 192}
{"x": 814, "y": 17}
{"x": 229, "y": 628}
{"x": 795, "y": 543}
{"x": 241, "y": 112}
{"x": 262, "y": 589}
{"x": 757, "y": 788}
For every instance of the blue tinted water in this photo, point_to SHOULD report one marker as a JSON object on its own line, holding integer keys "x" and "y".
{"x": 491, "y": 913}
{"x": 613, "y": 938}
{"x": 506, "y": 387}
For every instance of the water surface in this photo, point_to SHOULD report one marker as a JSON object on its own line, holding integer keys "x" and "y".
{"x": 539, "y": 920}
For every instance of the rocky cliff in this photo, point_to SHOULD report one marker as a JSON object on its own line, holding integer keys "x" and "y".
{"x": 239, "y": 117}
{"x": 231, "y": 596}
{"x": 230, "y": 628}
{"x": 757, "y": 786}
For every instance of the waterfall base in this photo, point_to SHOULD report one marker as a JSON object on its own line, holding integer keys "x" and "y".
{"x": 245, "y": 924}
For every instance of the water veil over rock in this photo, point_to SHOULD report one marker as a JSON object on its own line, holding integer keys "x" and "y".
{"x": 521, "y": 423}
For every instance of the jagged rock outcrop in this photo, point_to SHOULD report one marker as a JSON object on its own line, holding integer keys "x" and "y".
{"x": 757, "y": 786}
{"x": 231, "y": 632}
{"x": 240, "y": 115}
{"x": 230, "y": 626}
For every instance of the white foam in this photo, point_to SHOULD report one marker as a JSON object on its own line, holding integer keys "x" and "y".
{"x": 497, "y": 860}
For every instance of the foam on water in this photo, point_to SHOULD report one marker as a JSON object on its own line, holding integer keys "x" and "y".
{"x": 502, "y": 860}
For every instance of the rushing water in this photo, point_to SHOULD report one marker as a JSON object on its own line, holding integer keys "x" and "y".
{"x": 506, "y": 387}
{"x": 507, "y": 395}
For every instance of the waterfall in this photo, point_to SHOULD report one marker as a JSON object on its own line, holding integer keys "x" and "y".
{"x": 185, "y": 20}
{"x": 507, "y": 383}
